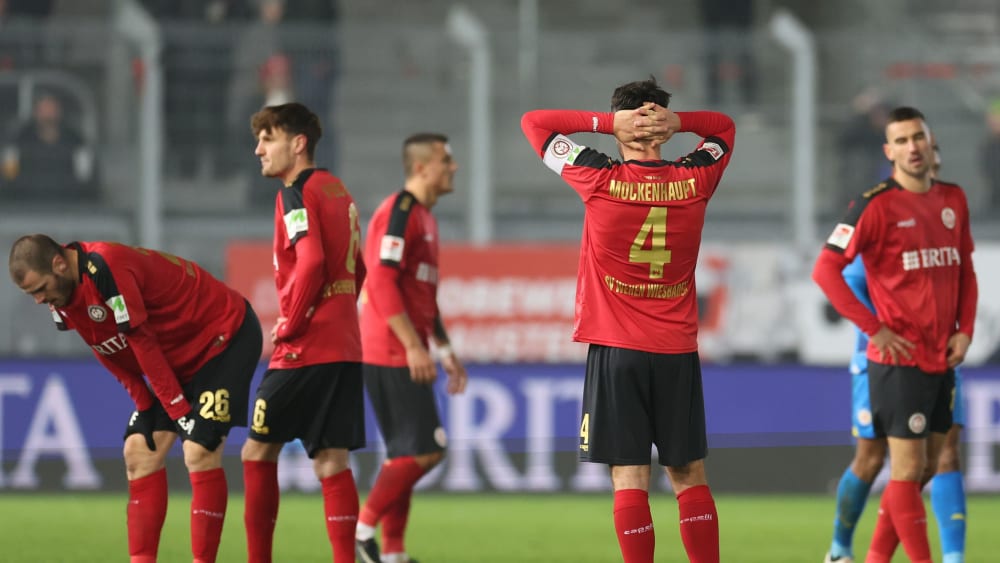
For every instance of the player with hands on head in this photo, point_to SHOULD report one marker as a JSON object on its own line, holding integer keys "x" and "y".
{"x": 399, "y": 318}
{"x": 184, "y": 346}
{"x": 636, "y": 302}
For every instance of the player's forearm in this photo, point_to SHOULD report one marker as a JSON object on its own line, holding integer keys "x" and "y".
{"x": 708, "y": 124}
{"x": 859, "y": 287}
{"x": 133, "y": 383}
{"x": 827, "y": 275}
{"x": 968, "y": 298}
{"x": 540, "y": 125}
{"x": 440, "y": 333}
{"x": 304, "y": 291}
{"x": 161, "y": 376}
{"x": 403, "y": 328}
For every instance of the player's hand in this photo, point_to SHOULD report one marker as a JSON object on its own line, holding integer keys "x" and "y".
{"x": 958, "y": 346}
{"x": 188, "y": 424}
{"x": 457, "y": 376}
{"x": 650, "y": 124}
{"x": 891, "y": 346}
{"x": 141, "y": 422}
{"x": 423, "y": 371}
{"x": 276, "y": 328}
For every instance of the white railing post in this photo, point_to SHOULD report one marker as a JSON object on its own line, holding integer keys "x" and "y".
{"x": 135, "y": 24}
{"x": 469, "y": 32}
{"x": 799, "y": 42}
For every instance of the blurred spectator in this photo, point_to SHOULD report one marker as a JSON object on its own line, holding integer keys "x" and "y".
{"x": 859, "y": 148}
{"x": 46, "y": 159}
{"x": 990, "y": 158}
{"x": 287, "y": 54}
{"x": 729, "y": 48}
{"x": 197, "y": 58}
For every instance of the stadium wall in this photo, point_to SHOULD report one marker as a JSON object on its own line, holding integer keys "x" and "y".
{"x": 781, "y": 427}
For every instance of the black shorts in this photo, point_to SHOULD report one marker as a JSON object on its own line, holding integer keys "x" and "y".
{"x": 633, "y": 399}
{"x": 220, "y": 390}
{"x": 908, "y": 402}
{"x": 322, "y": 405}
{"x": 406, "y": 412}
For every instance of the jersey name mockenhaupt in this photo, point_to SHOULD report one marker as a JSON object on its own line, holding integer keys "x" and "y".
{"x": 916, "y": 249}
{"x": 402, "y": 246}
{"x": 317, "y": 226}
{"x": 641, "y": 238}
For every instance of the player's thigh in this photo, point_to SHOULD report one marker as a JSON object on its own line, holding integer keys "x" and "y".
{"x": 907, "y": 402}
{"x": 616, "y": 427}
{"x": 406, "y": 412}
{"x": 220, "y": 390}
{"x": 323, "y": 405}
{"x": 677, "y": 404}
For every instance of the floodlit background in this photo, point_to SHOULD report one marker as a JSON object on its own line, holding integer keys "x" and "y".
{"x": 128, "y": 120}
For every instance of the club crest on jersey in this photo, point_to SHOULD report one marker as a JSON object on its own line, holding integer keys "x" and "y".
{"x": 714, "y": 149}
{"x": 841, "y": 235}
{"x": 391, "y": 248}
{"x": 917, "y": 423}
{"x": 117, "y": 304}
{"x": 948, "y": 217}
{"x": 97, "y": 313}
{"x": 864, "y": 417}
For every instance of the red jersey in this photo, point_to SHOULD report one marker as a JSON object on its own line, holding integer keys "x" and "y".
{"x": 917, "y": 249}
{"x": 402, "y": 248}
{"x": 148, "y": 312}
{"x": 317, "y": 270}
{"x": 641, "y": 229}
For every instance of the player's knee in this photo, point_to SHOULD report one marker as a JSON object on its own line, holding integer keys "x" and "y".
{"x": 140, "y": 461}
{"x": 948, "y": 461}
{"x": 429, "y": 461}
{"x": 199, "y": 458}
{"x": 867, "y": 467}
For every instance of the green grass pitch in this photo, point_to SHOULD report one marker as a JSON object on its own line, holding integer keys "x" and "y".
{"x": 466, "y": 528}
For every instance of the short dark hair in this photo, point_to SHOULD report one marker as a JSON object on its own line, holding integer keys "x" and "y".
{"x": 634, "y": 94}
{"x": 33, "y": 253}
{"x": 412, "y": 145}
{"x": 294, "y": 119}
{"x": 904, "y": 113}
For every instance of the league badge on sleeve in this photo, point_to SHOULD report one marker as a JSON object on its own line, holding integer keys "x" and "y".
{"x": 841, "y": 235}
{"x": 713, "y": 149}
{"x": 117, "y": 304}
{"x": 391, "y": 249}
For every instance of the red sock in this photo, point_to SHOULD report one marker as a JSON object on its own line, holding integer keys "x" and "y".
{"x": 394, "y": 524}
{"x": 147, "y": 509}
{"x": 634, "y": 525}
{"x": 340, "y": 504}
{"x": 209, "y": 496}
{"x": 260, "y": 479}
{"x": 910, "y": 519}
{"x": 699, "y": 524}
{"x": 884, "y": 540}
{"x": 397, "y": 478}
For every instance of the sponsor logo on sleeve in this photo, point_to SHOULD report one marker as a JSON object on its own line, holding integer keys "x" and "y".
{"x": 296, "y": 221}
{"x": 117, "y": 304}
{"x": 391, "y": 248}
{"x": 841, "y": 235}
{"x": 713, "y": 149}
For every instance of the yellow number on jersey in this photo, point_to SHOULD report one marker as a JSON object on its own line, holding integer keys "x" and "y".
{"x": 352, "y": 248}
{"x": 259, "y": 416}
{"x": 215, "y": 405}
{"x": 654, "y": 228}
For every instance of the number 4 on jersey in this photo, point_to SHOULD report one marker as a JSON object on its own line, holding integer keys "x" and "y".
{"x": 655, "y": 228}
